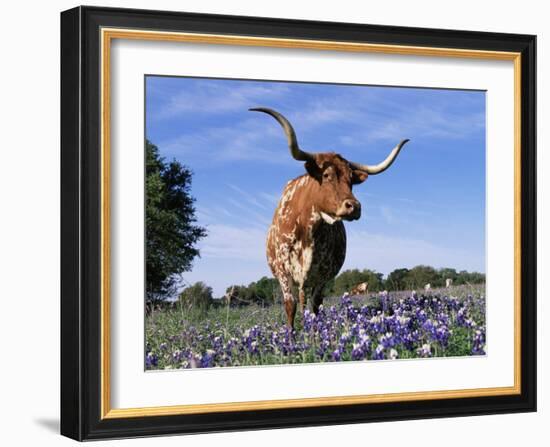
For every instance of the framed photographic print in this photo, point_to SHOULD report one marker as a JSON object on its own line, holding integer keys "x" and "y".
{"x": 276, "y": 223}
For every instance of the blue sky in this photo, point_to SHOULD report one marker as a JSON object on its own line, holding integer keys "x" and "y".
{"x": 428, "y": 208}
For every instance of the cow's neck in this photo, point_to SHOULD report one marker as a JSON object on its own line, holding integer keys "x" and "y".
{"x": 305, "y": 216}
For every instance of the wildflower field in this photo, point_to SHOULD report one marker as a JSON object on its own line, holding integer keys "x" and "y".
{"x": 400, "y": 325}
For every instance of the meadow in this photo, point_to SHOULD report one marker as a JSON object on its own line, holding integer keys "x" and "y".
{"x": 396, "y": 325}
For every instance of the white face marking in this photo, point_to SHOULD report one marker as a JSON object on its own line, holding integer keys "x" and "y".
{"x": 329, "y": 219}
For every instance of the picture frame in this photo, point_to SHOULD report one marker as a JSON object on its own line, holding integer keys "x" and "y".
{"x": 87, "y": 34}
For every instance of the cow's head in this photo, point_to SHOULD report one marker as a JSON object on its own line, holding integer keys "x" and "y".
{"x": 334, "y": 175}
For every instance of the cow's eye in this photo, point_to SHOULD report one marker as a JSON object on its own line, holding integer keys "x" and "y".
{"x": 326, "y": 175}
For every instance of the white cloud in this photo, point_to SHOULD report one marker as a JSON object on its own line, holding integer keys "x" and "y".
{"x": 214, "y": 97}
{"x": 353, "y": 120}
{"x": 272, "y": 198}
{"x": 429, "y": 122}
{"x": 246, "y": 140}
{"x": 209, "y": 215}
{"x": 386, "y": 253}
{"x": 249, "y": 197}
{"x": 234, "y": 243}
{"x": 252, "y": 217}
{"x": 319, "y": 112}
{"x": 388, "y": 215}
{"x": 414, "y": 122}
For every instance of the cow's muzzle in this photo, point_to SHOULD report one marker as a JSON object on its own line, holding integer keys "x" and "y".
{"x": 349, "y": 210}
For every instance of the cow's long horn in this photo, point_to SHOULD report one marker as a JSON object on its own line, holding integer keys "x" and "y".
{"x": 295, "y": 150}
{"x": 381, "y": 167}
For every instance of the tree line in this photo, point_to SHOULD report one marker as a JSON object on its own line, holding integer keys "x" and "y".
{"x": 266, "y": 291}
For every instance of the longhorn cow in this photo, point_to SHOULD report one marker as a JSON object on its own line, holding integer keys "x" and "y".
{"x": 360, "y": 289}
{"x": 306, "y": 242}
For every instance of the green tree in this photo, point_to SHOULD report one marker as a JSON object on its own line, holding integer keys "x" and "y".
{"x": 197, "y": 297}
{"x": 265, "y": 291}
{"x": 464, "y": 277}
{"x": 477, "y": 278}
{"x": 171, "y": 230}
{"x": 397, "y": 280}
{"x": 346, "y": 280}
{"x": 448, "y": 272}
{"x": 421, "y": 275}
{"x": 238, "y": 295}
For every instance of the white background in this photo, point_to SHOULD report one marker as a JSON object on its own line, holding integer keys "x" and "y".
{"x": 29, "y": 236}
{"x": 132, "y": 387}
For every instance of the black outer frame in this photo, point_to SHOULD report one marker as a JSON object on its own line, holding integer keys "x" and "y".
{"x": 80, "y": 223}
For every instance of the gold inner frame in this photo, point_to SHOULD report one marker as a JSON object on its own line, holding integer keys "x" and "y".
{"x": 107, "y": 35}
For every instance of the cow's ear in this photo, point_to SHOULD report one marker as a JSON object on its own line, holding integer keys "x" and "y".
{"x": 314, "y": 170}
{"x": 358, "y": 177}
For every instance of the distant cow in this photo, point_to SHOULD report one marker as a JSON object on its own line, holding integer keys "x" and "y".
{"x": 448, "y": 282}
{"x": 306, "y": 242}
{"x": 427, "y": 287}
{"x": 360, "y": 289}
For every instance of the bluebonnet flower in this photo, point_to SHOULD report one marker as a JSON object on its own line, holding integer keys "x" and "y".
{"x": 207, "y": 359}
{"x": 387, "y": 340}
{"x": 478, "y": 343}
{"x": 151, "y": 360}
{"x": 357, "y": 353}
{"x": 379, "y": 353}
{"x": 461, "y": 316}
{"x": 418, "y": 325}
{"x": 177, "y": 355}
{"x": 309, "y": 319}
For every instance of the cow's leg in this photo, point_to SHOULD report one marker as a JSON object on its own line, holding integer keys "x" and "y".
{"x": 317, "y": 298}
{"x": 289, "y": 301}
{"x": 290, "y": 307}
